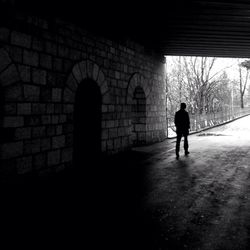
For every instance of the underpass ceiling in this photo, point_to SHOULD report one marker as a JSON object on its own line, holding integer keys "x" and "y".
{"x": 196, "y": 27}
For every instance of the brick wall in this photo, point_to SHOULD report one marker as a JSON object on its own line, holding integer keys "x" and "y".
{"x": 42, "y": 64}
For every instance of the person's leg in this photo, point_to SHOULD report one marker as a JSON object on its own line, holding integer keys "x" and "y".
{"x": 178, "y": 141}
{"x": 186, "y": 144}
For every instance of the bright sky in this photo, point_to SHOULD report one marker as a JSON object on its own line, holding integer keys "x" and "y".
{"x": 229, "y": 64}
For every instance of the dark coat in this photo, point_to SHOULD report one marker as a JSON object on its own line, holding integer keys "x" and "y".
{"x": 182, "y": 122}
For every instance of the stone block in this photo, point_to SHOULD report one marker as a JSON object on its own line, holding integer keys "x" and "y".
{"x": 51, "y": 130}
{"x": 46, "y": 94}
{"x": 69, "y": 140}
{"x": 53, "y": 157}
{"x": 63, "y": 51}
{"x": 106, "y": 99}
{"x": 38, "y": 131}
{"x": 67, "y": 65}
{"x": 62, "y": 118}
{"x": 46, "y": 119}
{"x": 9, "y": 76}
{"x": 77, "y": 73}
{"x": 105, "y": 134}
{"x": 110, "y": 124}
{"x": 50, "y": 108}
{"x": 10, "y": 109}
{"x": 117, "y": 143}
{"x": 59, "y": 129}
{"x": 11, "y": 149}
{"x": 90, "y": 67}
{"x": 40, "y": 160}
{"x": 24, "y": 108}
{"x": 46, "y": 61}
{"x": 67, "y": 155}
{"x": 38, "y": 44}
{"x": 113, "y": 133}
{"x": 39, "y": 76}
{"x": 68, "y": 96}
{"x": 20, "y": 39}
{"x": 4, "y": 59}
{"x": 51, "y": 48}
{"x": 23, "y": 133}
{"x": 24, "y": 165}
{"x": 104, "y": 88}
{"x": 95, "y": 72}
{"x": 101, "y": 78}
{"x": 56, "y": 95}
{"x": 45, "y": 144}
{"x": 32, "y": 146}
{"x": 58, "y": 64}
{"x": 58, "y": 108}
{"x": 110, "y": 144}
{"x": 38, "y": 108}
{"x": 51, "y": 78}
{"x": 72, "y": 83}
{"x": 32, "y": 120}
{"x": 25, "y": 73}
{"x": 117, "y": 75}
{"x": 31, "y": 92}
{"x": 30, "y": 58}
{"x": 55, "y": 119}
{"x": 13, "y": 121}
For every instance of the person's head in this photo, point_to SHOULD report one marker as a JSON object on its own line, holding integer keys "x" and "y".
{"x": 183, "y": 105}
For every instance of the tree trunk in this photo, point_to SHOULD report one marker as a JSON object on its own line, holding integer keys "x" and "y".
{"x": 241, "y": 101}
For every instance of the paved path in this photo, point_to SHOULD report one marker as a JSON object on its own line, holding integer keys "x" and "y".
{"x": 201, "y": 201}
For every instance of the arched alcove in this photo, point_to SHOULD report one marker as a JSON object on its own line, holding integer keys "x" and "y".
{"x": 9, "y": 79}
{"x": 138, "y": 100}
{"x": 85, "y": 93}
{"x": 87, "y": 123}
{"x": 139, "y": 117}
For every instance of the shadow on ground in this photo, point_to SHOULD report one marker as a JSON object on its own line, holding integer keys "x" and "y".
{"x": 97, "y": 205}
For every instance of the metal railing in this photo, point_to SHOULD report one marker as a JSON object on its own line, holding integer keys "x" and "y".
{"x": 199, "y": 122}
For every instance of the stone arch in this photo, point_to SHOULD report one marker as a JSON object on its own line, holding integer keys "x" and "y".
{"x": 136, "y": 80}
{"x": 81, "y": 71}
{"x": 8, "y": 70}
{"x": 138, "y": 92}
{"x": 82, "y": 75}
{"x": 138, "y": 117}
{"x": 9, "y": 76}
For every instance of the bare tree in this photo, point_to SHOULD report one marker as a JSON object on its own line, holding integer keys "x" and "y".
{"x": 243, "y": 78}
{"x": 195, "y": 81}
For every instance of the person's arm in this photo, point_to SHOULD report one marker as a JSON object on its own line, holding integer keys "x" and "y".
{"x": 188, "y": 121}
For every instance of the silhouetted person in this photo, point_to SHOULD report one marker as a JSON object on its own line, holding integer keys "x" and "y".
{"x": 182, "y": 124}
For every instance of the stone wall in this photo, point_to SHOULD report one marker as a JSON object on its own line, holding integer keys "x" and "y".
{"x": 42, "y": 63}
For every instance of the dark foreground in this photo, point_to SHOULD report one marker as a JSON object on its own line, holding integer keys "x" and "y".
{"x": 143, "y": 199}
{"x": 98, "y": 206}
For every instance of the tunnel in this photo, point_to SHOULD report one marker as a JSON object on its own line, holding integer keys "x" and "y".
{"x": 84, "y": 154}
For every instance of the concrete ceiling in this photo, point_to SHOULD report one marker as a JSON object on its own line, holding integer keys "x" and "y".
{"x": 194, "y": 28}
{"x": 209, "y": 28}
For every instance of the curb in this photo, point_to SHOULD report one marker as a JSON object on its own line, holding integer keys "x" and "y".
{"x": 204, "y": 129}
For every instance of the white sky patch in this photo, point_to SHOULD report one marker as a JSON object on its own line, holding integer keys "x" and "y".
{"x": 230, "y": 65}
